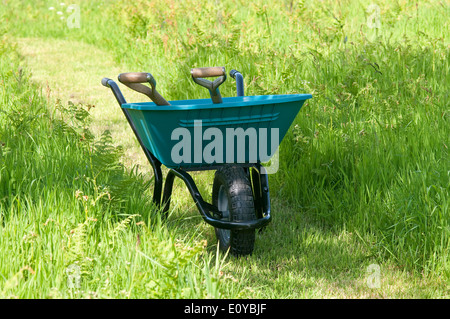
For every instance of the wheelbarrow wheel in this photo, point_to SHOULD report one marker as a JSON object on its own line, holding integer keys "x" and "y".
{"x": 232, "y": 195}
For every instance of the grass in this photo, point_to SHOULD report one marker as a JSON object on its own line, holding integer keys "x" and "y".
{"x": 363, "y": 173}
{"x": 78, "y": 82}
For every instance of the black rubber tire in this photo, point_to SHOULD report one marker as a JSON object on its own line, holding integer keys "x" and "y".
{"x": 232, "y": 185}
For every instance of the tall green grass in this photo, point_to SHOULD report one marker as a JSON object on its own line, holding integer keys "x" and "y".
{"x": 368, "y": 154}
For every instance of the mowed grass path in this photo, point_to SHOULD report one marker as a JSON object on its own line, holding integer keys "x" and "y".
{"x": 295, "y": 257}
{"x": 71, "y": 71}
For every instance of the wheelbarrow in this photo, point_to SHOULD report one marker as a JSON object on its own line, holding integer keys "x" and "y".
{"x": 232, "y": 135}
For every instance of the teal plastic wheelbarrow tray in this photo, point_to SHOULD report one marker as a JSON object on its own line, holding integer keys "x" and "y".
{"x": 232, "y": 135}
{"x": 234, "y": 125}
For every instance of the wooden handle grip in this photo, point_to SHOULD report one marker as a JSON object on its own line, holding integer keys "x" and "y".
{"x": 208, "y": 72}
{"x": 133, "y": 77}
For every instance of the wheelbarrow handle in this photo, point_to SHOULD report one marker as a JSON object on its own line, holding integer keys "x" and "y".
{"x": 115, "y": 89}
{"x": 239, "y": 81}
{"x": 208, "y": 72}
{"x": 134, "y": 79}
{"x": 198, "y": 75}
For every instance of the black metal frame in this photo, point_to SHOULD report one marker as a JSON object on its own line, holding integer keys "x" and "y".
{"x": 255, "y": 172}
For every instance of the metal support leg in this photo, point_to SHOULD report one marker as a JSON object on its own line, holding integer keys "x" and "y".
{"x": 257, "y": 196}
{"x": 168, "y": 192}
{"x": 156, "y": 164}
